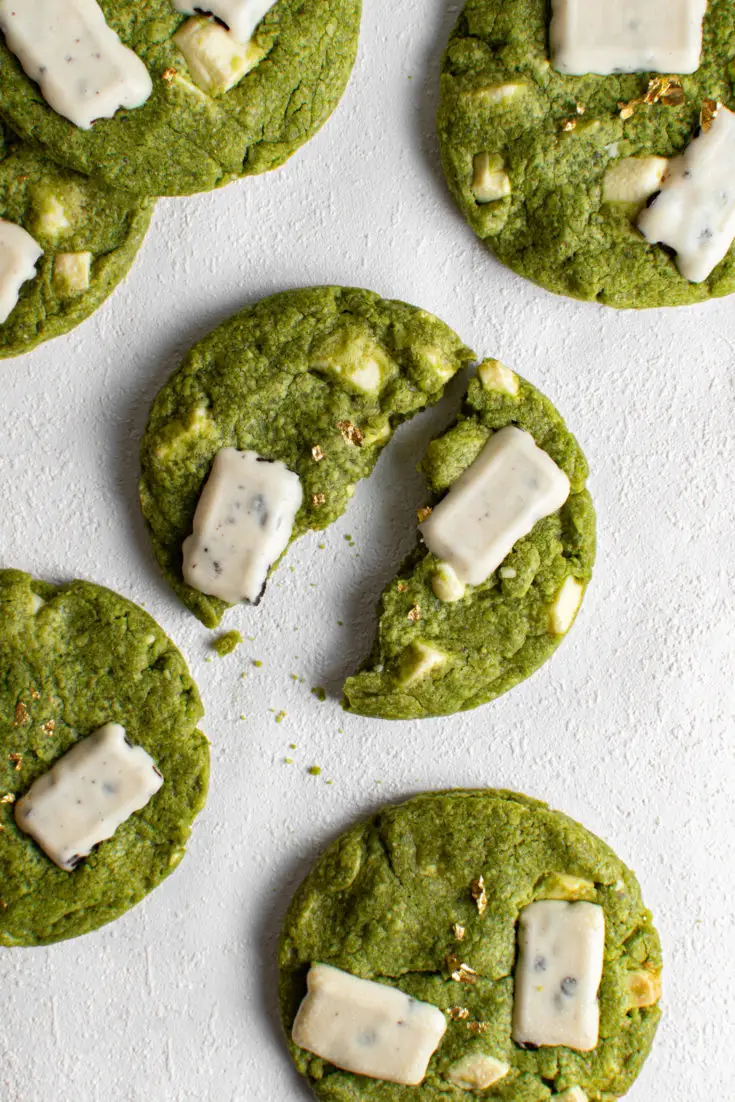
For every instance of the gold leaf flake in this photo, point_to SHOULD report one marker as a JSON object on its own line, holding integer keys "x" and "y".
{"x": 402, "y": 587}
{"x": 581, "y": 109}
{"x": 16, "y": 760}
{"x": 415, "y": 614}
{"x": 49, "y": 728}
{"x": 350, "y": 433}
{"x": 423, "y": 513}
{"x": 707, "y": 115}
{"x": 8, "y": 798}
{"x": 458, "y": 1013}
{"x": 627, "y": 110}
{"x": 3, "y": 904}
{"x": 478, "y": 1028}
{"x": 318, "y": 499}
{"x": 169, "y": 74}
{"x": 21, "y": 714}
{"x": 35, "y": 695}
{"x": 459, "y": 931}
{"x": 479, "y": 894}
{"x": 568, "y": 124}
{"x": 461, "y": 973}
{"x": 317, "y": 453}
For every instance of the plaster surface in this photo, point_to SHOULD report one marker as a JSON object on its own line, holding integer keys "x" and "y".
{"x": 629, "y": 728}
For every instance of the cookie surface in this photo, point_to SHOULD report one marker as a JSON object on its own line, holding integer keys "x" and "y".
{"x": 433, "y": 657}
{"x": 271, "y": 380}
{"x": 556, "y": 136}
{"x": 66, "y": 213}
{"x": 383, "y": 901}
{"x": 183, "y": 140}
{"x": 76, "y": 657}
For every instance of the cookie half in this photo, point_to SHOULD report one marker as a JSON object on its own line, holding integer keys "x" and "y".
{"x": 443, "y": 648}
{"x": 316, "y": 379}
{"x": 87, "y": 234}
{"x": 195, "y": 132}
{"x": 552, "y": 171}
{"x": 76, "y": 658}
{"x": 429, "y": 898}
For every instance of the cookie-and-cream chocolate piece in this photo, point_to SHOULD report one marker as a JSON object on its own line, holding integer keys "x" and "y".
{"x": 560, "y": 957}
{"x": 240, "y": 16}
{"x": 242, "y": 525}
{"x": 83, "y": 799}
{"x": 694, "y": 212}
{"x": 594, "y": 36}
{"x": 511, "y": 486}
{"x": 83, "y": 69}
{"x": 367, "y": 1028}
{"x": 19, "y": 253}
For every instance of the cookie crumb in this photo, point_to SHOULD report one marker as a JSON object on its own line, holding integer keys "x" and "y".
{"x": 319, "y": 692}
{"x": 227, "y": 643}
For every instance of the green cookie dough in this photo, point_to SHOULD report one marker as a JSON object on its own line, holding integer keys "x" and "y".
{"x": 183, "y": 139}
{"x": 551, "y": 138}
{"x": 66, "y": 214}
{"x": 285, "y": 378}
{"x": 75, "y": 657}
{"x": 435, "y": 657}
{"x": 384, "y": 903}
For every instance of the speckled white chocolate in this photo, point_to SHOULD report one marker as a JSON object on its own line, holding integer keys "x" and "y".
{"x": 650, "y": 396}
{"x": 19, "y": 254}
{"x": 241, "y": 16}
{"x": 560, "y": 953}
{"x": 87, "y": 794}
{"x": 83, "y": 69}
{"x": 626, "y": 36}
{"x": 368, "y": 1028}
{"x": 242, "y": 524}
{"x": 694, "y": 213}
{"x": 511, "y": 486}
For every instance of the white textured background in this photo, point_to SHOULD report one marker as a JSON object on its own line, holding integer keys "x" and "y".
{"x": 629, "y": 728}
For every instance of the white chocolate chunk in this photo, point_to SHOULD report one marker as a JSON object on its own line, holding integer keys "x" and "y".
{"x": 87, "y": 795}
{"x": 83, "y": 69}
{"x": 659, "y": 36}
{"x": 367, "y": 1028}
{"x": 695, "y": 210}
{"x": 49, "y": 217}
{"x": 633, "y": 179}
{"x": 19, "y": 254}
{"x": 446, "y": 585}
{"x": 498, "y": 93}
{"x": 214, "y": 57}
{"x": 565, "y": 606}
{"x": 560, "y": 955}
{"x": 241, "y": 16}
{"x": 351, "y": 354}
{"x": 496, "y": 376}
{"x": 417, "y": 662}
{"x": 490, "y": 181}
{"x": 499, "y": 498}
{"x": 574, "y": 1094}
{"x": 476, "y": 1072}
{"x": 242, "y": 525}
{"x": 72, "y": 271}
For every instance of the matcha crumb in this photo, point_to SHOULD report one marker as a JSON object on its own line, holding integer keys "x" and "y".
{"x": 319, "y": 692}
{"x": 321, "y": 546}
{"x": 257, "y": 663}
{"x": 281, "y": 716}
{"x": 288, "y": 761}
{"x": 340, "y": 623}
{"x": 242, "y": 716}
{"x": 315, "y": 770}
{"x": 292, "y": 745}
{"x": 227, "y": 643}
{"x": 208, "y": 659}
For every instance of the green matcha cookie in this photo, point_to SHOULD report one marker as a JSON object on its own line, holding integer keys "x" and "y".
{"x": 428, "y": 897}
{"x": 89, "y": 235}
{"x": 195, "y": 132}
{"x": 74, "y": 658}
{"x": 540, "y": 163}
{"x": 442, "y": 647}
{"x": 318, "y": 379}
